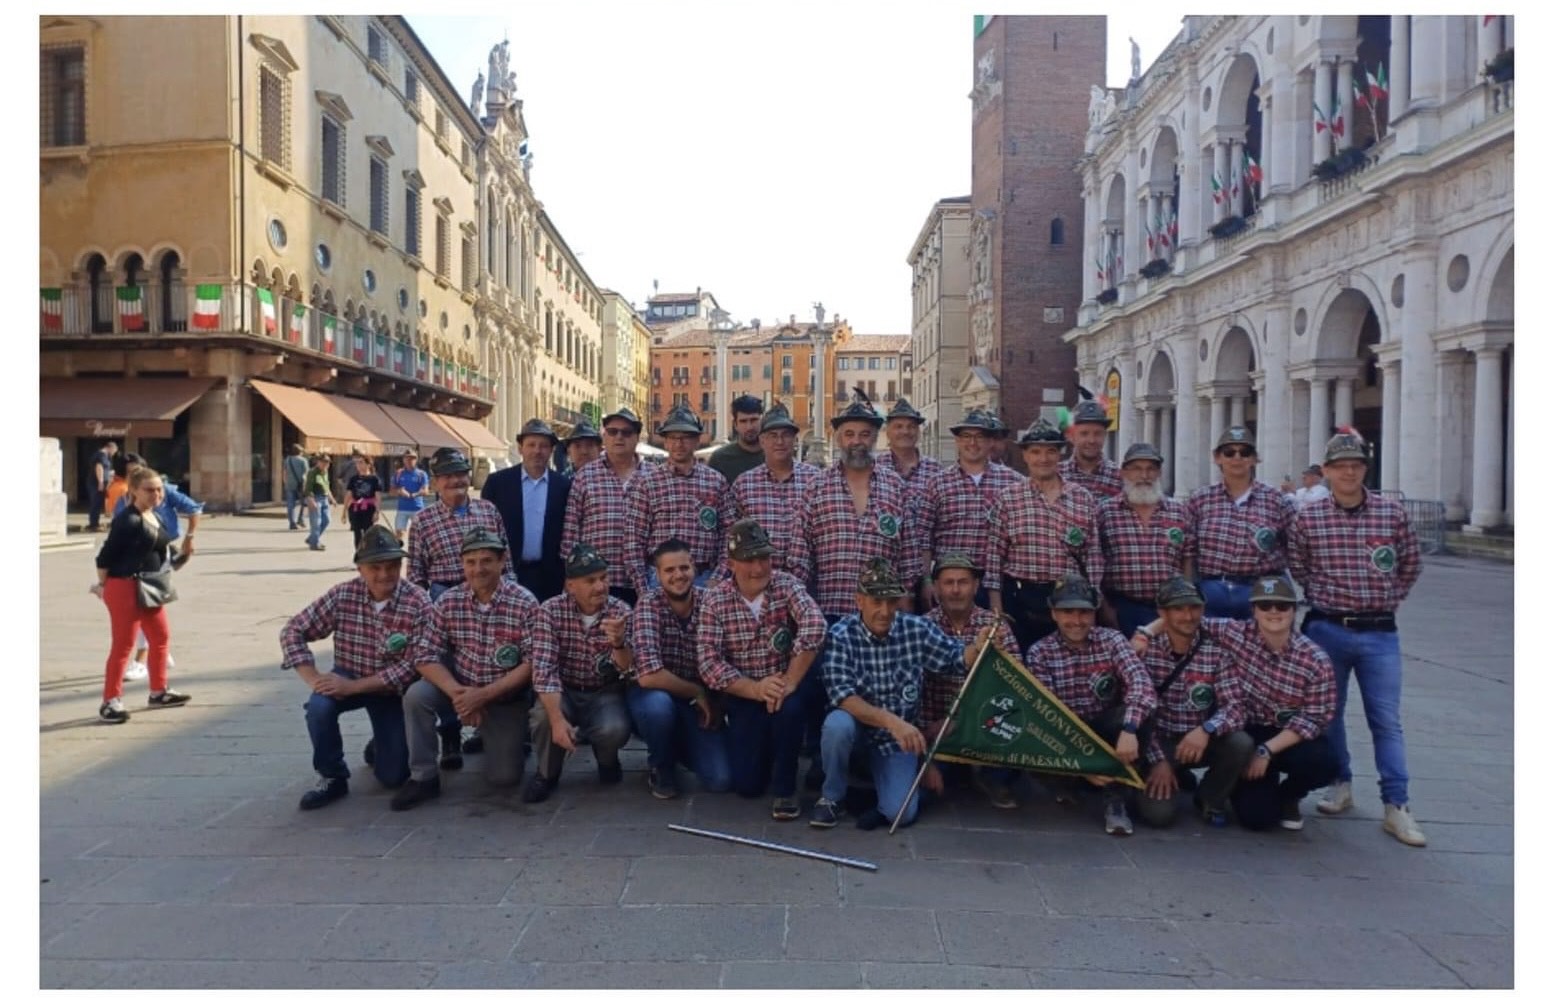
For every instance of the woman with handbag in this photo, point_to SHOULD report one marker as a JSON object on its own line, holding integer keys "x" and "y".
{"x": 134, "y": 580}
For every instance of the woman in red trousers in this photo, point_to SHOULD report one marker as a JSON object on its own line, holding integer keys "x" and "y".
{"x": 136, "y": 543}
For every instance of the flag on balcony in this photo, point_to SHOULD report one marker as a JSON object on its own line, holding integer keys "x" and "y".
{"x": 1318, "y": 118}
{"x": 359, "y": 344}
{"x": 329, "y": 334}
{"x": 1377, "y": 82}
{"x": 1219, "y": 189}
{"x": 1361, "y": 99}
{"x": 53, "y": 309}
{"x": 436, "y": 370}
{"x": 207, "y": 306}
{"x": 1100, "y": 268}
{"x": 449, "y": 375}
{"x": 464, "y": 379}
{"x": 1336, "y": 119}
{"x": 381, "y": 347}
{"x": 1149, "y": 238}
{"x": 299, "y": 318}
{"x": 421, "y": 364}
{"x": 1162, "y": 238}
{"x": 131, "y": 314}
{"x": 1171, "y": 228}
{"x": 267, "y": 310}
{"x": 1235, "y": 182}
{"x": 399, "y": 357}
{"x": 1254, "y": 173}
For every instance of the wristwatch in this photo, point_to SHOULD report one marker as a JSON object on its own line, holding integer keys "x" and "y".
{"x": 1210, "y": 727}
{"x": 1262, "y": 750}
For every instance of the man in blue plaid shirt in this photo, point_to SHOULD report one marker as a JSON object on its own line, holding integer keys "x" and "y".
{"x": 873, "y": 666}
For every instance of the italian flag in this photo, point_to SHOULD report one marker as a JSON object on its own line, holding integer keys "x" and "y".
{"x": 1360, "y": 97}
{"x": 1318, "y": 118}
{"x": 1249, "y": 166}
{"x": 207, "y": 306}
{"x": 329, "y": 333}
{"x": 464, "y": 379}
{"x": 1336, "y": 119}
{"x": 436, "y": 370}
{"x": 381, "y": 347}
{"x": 267, "y": 310}
{"x": 1377, "y": 82}
{"x": 1172, "y": 227}
{"x": 1149, "y": 237}
{"x": 449, "y": 375}
{"x": 53, "y": 309}
{"x": 358, "y": 343}
{"x": 420, "y": 364}
{"x": 399, "y": 358}
{"x": 1100, "y": 269}
{"x": 1161, "y": 239}
{"x": 299, "y": 316}
{"x": 1219, "y": 189}
{"x": 131, "y": 315}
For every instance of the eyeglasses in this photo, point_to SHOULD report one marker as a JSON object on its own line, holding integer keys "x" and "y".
{"x": 1237, "y": 452}
{"x": 1274, "y": 607}
{"x": 619, "y": 431}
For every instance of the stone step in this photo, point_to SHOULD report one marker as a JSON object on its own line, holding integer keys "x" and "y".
{"x": 1497, "y": 546}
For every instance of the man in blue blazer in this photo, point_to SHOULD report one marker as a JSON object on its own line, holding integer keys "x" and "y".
{"x": 533, "y": 502}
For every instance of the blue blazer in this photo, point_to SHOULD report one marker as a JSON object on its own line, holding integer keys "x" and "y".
{"x": 505, "y": 489}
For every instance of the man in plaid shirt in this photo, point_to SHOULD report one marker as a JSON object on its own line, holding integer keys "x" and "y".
{"x": 1241, "y": 526}
{"x": 756, "y": 636}
{"x": 681, "y": 498}
{"x": 484, "y": 629}
{"x": 376, "y": 620}
{"x": 582, "y": 654}
{"x": 1287, "y": 697}
{"x": 853, "y": 512}
{"x": 873, "y": 667}
{"x": 1088, "y": 466}
{"x": 670, "y": 707}
{"x": 1356, "y": 555}
{"x": 770, "y": 492}
{"x": 1039, "y": 531}
{"x": 437, "y": 532}
{"x": 1198, "y": 717}
{"x": 596, "y": 508}
{"x": 957, "y": 499}
{"x": 1098, "y": 676}
{"x": 1146, "y": 538}
{"x": 903, "y": 429}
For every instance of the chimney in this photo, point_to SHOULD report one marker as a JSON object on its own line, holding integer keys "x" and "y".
{"x": 792, "y": 319}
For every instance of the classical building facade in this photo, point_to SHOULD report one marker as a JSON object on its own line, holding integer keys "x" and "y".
{"x": 1303, "y": 222}
{"x": 625, "y": 355}
{"x": 570, "y": 370}
{"x": 871, "y": 364}
{"x": 941, "y": 276}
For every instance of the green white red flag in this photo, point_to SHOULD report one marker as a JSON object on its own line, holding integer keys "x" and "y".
{"x": 53, "y": 300}
{"x": 132, "y": 316}
{"x": 299, "y": 316}
{"x": 267, "y": 310}
{"x": 207, "y": 306}
{"x": 329, "y": 333}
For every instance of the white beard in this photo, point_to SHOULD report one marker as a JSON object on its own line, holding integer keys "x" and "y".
{"x": 1142, "y": 495}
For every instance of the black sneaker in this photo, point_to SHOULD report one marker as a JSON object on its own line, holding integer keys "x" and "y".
{"x": 370, "y": 753}
{"x": 452, "y": 756}
{"x": 663, "y": 783}
{"x": 785, "y": 808}
{"x": 1290, "y": 818}
{"x": 329, "y": 790}
{"x": 868, "y": 821}
{"x": 113, "y": 712}
{"x": 538, "y": 790}
{"x": 825, "y": 814}
{"x": 610, "y": 773}
{"x": 415, "y": 792}
{"x": 474, "y": 745}
{"x": 167, "y": 698}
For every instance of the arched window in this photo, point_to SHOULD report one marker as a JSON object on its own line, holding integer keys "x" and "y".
{"x": 1055, "y": 232}
{"x": 100, "y": 293}
{"x": 172, "y": 311}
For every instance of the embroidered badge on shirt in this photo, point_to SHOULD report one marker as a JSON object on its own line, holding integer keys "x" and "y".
{"x": 395, "y": 643}
{"x": 707, "y": 517}
{"x": 1265, "y": 538}
{"x": 1074, "y": 537}
{"x": 909, "y": 693}
{"x": 1201, "y": 696}
{"x": 1104, "y": 686}
{"x": 1175, "y": 536}
{"x": 506, "y": 656}
{"x": 888, "y": 525}
{"x": 1284, "y": 716}
{"x": 1385, "y": 558}
{"x": 781, "y": 640}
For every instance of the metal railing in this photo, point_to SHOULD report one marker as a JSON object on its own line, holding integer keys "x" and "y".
{"x": 1429, "y": 520}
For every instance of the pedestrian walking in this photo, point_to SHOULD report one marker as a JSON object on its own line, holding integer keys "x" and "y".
{"x": 411, "y": 488}
{"x": 99, "y": 472}
{"x": 293, "y": 471}
{"x": 363, "y": 489}
{"x": 175, "y": 507}
{"x": 315, "y": 492}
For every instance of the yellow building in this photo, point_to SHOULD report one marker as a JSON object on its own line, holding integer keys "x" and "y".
{"x": 569, "y": 312}
{"x": 626, "y": 345}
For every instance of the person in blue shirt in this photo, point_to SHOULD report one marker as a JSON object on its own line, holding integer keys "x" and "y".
{"x": 411, "y": 485}
{"x": 174, "y": 504}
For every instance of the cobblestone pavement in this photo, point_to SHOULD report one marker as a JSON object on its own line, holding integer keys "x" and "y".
{"x": 173, "y": 853}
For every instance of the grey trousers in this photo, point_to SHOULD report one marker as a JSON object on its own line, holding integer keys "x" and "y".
{"x": 1226, "y": 758}
{"x": 599, "y": 714}
{"x": 505, "y": 732}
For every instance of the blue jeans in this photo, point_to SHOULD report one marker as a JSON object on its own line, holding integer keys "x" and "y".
{"x": 1131, "y": 613}
{"x": 1225, "y": 599}
{"x": 1376, "y": 661}
{"x": 764, "y": 748}
{"x": 893, "y": 773}
{"x": 673, "y": 733}
{"x": 293, "y": 499}
{"x": 318, "y": 522}
{"x": 392, "y": 760}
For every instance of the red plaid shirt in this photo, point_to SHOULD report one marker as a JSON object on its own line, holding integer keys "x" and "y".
{"x": 731, "y": 643}
{"x": 758, "y": 494}
{"x": 661, "y": 640}
{"x": 368, "y": 641}
{"x": 1363, "y": 560}
{"x": 939, "y": 691}
{"x": 1031, "y": 538}
{"x": 487, "y": 640}
{"x": 1292, "y": 689}
{"x": 566, "y": 654}
{"x": 437, "y": 533}
{"x": 1208, "y": 689}
{"x": 1103, "y": 483}
{"x": 1245, "y": 538}
{"x": 596, "y": 513}
{"x": 922, "y": 471}
{"x": 1139, "y": 557}
{"x": 831, "y": 542}
{"x": 955, "y": 509}
{"x": 1089, "y": 679}
{"x": 661, "y": 504}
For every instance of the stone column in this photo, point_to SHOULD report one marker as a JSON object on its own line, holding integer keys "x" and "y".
{"x": 1488, "y": 465}
{"x": 221, "y": 436}
{"x": 1319, "y": 418}
{"x": 1237, "y": 180}
{"x": 1265, "y": 157}
{"x": 722, "y": 419}
{"x": 1185, "y": 424}
{"x": 1219, "y": 409}
{"x": 1421, "y": 434}
{"x": 1322, "y": 96}
{"x": 1488, "y": 40}
{"x": 1397, "y": 67}
{"x": 1222, "y": 172}
{"x": 1446, "y": 421}
{"x": 1152, "y": 425}
{"x": 1391, "y": 404}
{"x": 1166, "y": 427}
{"x": 1346, "y": 102}
{"x": 1237, "y": 410}
{"x": 1093, "y": 246}
{"x": 1127, "y": 413}
{"x": 1343, "y": 403}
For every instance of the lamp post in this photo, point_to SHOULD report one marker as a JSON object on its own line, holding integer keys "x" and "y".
{"x": 821, "y": 336}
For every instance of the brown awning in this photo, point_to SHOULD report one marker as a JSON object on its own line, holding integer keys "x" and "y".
{"x": 115, "y": 407}
{"x": 424, "y": 428}
{"x": 334, "y": 423}
{"x": 475, "y": 434}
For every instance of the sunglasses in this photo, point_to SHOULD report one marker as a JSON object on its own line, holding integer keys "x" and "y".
{"x": 1238, "y": 452}
{"x": 1274, "y": 607}
{"x": 619, "y": 431}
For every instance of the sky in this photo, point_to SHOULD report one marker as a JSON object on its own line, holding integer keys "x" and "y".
{"x": 775, "y": 156}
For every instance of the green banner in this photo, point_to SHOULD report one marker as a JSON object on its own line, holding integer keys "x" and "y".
{"x": 1006, "y": 718}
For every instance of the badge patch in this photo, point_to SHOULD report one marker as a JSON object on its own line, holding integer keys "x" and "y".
{"x": 1175, "y": 536}
{"x": 395, "y": 643}
{"x": 782, "y": 640}
{"x": 1385, "y": 558}
{"x": 1201, "y": 696}
{"x": 506, "y": 656}
{"x": 1104, "y": 686}
{"x": 604, "y": 665}
{"x": 1265, "y": 538}
{"x": 707, "y": 517}
{"x": 999, "y": 719}
{"x": 889, "y": 525}
{"x": 1283, "y": 716}
{"x": 909, "y": 693}
{"x": 1074, "y": 537}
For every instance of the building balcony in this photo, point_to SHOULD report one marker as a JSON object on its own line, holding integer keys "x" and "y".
{"x": 179, "y": 314}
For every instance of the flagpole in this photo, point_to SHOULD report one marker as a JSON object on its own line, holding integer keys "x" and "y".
{"x": 943, "y": 729}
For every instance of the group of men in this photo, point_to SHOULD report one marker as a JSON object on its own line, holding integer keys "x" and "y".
{"x": 733, "y": 613}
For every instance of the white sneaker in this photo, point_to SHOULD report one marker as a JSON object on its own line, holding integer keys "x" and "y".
{"x": 136, "y": 670}
{"x": 1399, "y": 824}
{"x": 1117, "y": 820}
{"x": 1340, "y": 798}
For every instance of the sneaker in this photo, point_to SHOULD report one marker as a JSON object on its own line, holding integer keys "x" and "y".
{"x": 452, "y": 756}
{"x": 415, "y": 792}
{"x": 168, "y": 698}
{"x": 329, "y": 790}
{"x": 1399, "y": 824}
{"x": 136, "y": 670}
{"x": 1117, "y": 820}
{"x": 610, "y": 773}
{"x": 663, "y": 784}
{"x": 113, "y": 712}
{"x": 785, "y": 808}
{"x": 537, "y": 790}
{"x": 998, "y": 794}
{"x": 825, "y": 814}
{"x": 474, "y": 745}
{"x": 1340, "y": 798}
{"x": 1290, "y": 818}
{"x": 1214, "y": 818}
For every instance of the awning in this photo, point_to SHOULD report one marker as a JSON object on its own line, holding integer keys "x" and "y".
{"x": 424, "y": 429}
{"x": 115, "y": 407}
{"x": 334, "y": 423}
{"x": 475, "y": 435}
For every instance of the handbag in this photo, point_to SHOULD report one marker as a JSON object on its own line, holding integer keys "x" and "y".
{"x": 155, "y": 589}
